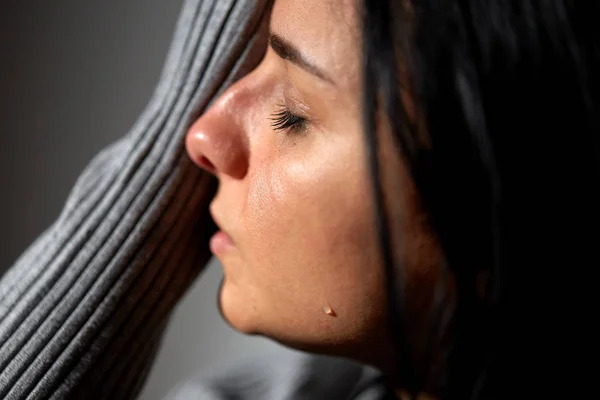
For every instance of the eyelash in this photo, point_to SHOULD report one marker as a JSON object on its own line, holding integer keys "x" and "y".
{"x": 284, "y": 119}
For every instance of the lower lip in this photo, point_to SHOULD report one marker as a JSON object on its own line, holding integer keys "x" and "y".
{"x": 220, "y": 243}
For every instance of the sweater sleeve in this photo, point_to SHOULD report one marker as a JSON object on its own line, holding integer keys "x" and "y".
{"x": 83, "y": 309}
{"x": 296, "y": 377}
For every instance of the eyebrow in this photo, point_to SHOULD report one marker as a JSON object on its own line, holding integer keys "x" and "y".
{"x": 289, "y": 52}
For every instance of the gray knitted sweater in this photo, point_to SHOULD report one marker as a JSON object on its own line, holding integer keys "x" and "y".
{"x": 83, "y": 309}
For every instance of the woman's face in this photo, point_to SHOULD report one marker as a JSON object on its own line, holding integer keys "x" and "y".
{"x": 299, "y": 249}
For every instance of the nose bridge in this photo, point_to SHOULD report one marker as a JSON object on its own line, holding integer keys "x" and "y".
{"x": 217, "y": 140}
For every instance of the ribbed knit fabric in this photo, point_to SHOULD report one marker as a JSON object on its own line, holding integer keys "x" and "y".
{"x": 82, "y": 311}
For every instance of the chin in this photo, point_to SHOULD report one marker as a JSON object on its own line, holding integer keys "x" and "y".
{"x": 235, "y": 312}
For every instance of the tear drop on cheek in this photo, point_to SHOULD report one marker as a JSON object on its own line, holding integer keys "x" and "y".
{"x": 329, "y": 311}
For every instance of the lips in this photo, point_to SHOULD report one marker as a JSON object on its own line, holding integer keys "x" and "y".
{"x": 220, "y": 243}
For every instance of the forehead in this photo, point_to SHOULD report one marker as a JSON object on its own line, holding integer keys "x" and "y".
{"x": 325, "y": 31}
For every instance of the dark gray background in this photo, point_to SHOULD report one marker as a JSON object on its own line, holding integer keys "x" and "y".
{"x": 74, "y": 76}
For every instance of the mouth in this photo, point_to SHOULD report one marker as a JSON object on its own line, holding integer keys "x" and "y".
{"x": 220, "y": 242}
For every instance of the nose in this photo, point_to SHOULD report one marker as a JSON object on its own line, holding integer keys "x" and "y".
{"x": 217, "y": 141}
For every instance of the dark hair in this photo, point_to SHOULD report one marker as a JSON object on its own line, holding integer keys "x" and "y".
{"x": 506, "y": 94}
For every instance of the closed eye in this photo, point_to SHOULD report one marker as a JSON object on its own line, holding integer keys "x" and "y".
{"x": 284, "y": 119}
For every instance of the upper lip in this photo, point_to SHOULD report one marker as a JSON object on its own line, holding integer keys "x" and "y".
{"x": 216, "y": 220}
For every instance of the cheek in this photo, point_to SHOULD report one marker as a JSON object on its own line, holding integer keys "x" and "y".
{"x": 310, "y": 245}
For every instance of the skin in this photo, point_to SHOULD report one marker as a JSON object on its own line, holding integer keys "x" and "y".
{"x": 305, "y": 266}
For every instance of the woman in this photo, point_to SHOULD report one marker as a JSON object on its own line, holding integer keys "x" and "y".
{"x": 385, "y": 175}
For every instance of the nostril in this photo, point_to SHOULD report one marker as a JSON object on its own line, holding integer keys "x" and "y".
{"x": 206, "y": 164}
{"x": 195, "y": 145}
